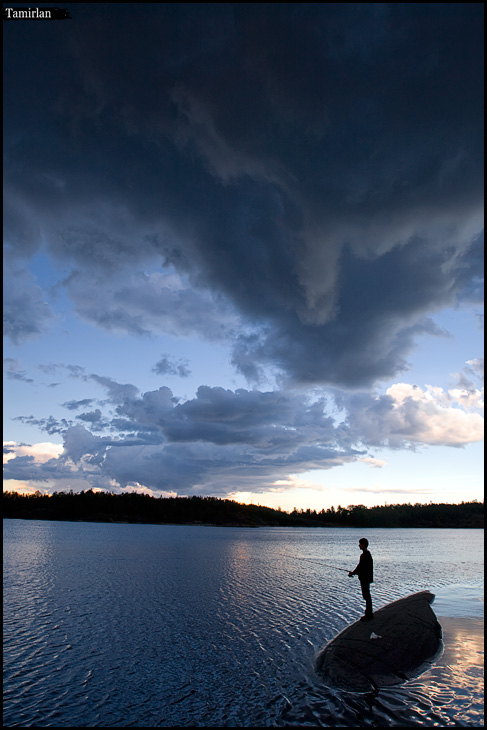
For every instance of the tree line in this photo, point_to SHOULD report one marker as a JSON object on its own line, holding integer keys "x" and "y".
{"x": 141, "y": 508}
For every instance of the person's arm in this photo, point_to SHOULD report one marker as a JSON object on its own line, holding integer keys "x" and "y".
{"x": 354, "y": 572}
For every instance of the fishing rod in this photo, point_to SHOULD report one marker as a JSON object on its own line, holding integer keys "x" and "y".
{"x": 319, "y": 562}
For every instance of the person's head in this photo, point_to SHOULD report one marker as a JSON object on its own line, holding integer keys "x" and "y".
{"x": 363, "y": 543}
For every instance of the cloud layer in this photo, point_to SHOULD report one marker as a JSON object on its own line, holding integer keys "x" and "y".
{"x": 225, "y": 441}
{"x": 303, "y": 181}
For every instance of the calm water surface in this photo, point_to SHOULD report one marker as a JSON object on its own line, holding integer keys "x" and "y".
{"x": 111, "y": 625}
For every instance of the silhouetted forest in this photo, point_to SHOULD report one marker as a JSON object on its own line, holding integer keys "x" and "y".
{"x": 139, "y": 508}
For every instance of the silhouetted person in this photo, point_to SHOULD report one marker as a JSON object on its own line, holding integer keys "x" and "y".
{"x": 365, "y": 572}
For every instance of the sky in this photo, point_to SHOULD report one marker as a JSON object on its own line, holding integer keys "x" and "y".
{"x": 243, "y": 252}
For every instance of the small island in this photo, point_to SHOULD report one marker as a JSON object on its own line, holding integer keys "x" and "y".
{"x": 133, "y": 507}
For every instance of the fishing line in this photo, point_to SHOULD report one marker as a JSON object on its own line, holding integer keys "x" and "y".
{"x": 319, "y": 562}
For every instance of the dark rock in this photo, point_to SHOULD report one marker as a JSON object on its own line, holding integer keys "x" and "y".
{"x": 399, "y": 643}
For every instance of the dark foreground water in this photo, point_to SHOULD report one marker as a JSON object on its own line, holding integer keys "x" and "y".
{"x": 170, "y": 626}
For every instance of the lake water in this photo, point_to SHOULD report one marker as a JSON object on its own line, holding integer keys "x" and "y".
{"x": 109, "y": 625}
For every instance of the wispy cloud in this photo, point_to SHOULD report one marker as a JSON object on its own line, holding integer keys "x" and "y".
{"x": 13, "y": 370}
{"x": 167, "y": 365}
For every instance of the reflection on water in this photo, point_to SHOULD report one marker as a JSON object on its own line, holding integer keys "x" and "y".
{"x": 464, "y": 647}
{"x": 462, "y": 664}
{"x": 166, "y": 626}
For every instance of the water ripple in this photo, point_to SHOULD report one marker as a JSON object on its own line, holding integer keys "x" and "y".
{"x": 128, "y": 625}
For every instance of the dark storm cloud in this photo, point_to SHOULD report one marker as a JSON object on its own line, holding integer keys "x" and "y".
{"x": 316, "y": 167}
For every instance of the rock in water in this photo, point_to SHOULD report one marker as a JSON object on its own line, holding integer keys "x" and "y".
{"x": 399, "y": 643}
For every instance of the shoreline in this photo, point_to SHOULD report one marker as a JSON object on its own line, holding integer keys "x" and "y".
{"x": 197, "y": 523}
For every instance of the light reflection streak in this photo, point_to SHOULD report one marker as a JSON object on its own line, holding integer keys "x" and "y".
{"x": 461, "y": 666}
{"x": 463, "y": 640}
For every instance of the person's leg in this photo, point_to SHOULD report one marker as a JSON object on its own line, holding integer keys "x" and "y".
{"x": 367, "y": 597}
